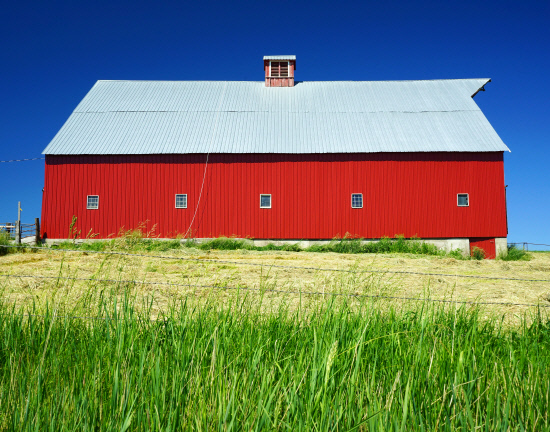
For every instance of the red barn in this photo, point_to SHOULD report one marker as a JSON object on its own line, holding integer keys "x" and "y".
{"x": 279, "y": 159}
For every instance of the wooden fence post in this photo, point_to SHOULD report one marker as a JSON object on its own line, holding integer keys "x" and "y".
{"x": 37, "y": 238}
{"x": 18, "y": 232}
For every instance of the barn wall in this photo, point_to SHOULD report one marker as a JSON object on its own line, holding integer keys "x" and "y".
{"x": 403, "y": 193}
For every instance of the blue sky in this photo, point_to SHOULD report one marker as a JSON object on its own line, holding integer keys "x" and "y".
{"x": 53, "y": 52}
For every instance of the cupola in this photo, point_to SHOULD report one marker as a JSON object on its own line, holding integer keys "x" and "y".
{"x": 279, "y": 70}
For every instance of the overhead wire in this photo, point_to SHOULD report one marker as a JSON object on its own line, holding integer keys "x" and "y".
{"x": 23, "y": 160}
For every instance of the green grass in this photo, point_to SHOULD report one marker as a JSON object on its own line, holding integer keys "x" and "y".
{"x": 477, "y": 253}
{"x": 353, "y": 246}
{"x": 350, "y": 246}
{"x": 4, "y": 241}
{"x": 515, "y": 254}
{"x": 340, "y": 368}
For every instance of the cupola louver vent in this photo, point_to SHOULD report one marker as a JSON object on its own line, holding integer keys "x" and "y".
{"x": 279, "y": 71}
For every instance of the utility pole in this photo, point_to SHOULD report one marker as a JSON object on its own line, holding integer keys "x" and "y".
{"x": 18, "y": 224}
{"x": 37, "y": 239}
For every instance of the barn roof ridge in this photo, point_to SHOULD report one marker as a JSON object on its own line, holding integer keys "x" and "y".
{"x": 267, "y": 111}
{"x": 298, "y": 81}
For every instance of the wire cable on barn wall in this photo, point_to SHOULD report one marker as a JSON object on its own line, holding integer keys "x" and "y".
{"x": 207, "y": 156}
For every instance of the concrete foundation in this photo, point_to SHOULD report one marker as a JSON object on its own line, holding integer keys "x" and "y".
{"x": 29, "y": 240}
{"x": 447, "y": 245}
{"x": 501, "y": 245}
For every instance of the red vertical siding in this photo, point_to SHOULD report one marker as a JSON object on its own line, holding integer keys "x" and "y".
{"x": 403, "y": 193}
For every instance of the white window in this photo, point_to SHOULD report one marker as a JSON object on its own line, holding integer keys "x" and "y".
{"x": 356, "y": 200}
{"x": 265, "y": 201}
{"x": 462, "y": 200}
{"x": 181, "y": 200}
{"x": 92, "y": 202}
{"x": 279, "y": 69}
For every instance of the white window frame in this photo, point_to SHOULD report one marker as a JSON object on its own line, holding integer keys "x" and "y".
{"x": 264, "y": 195}
{"x": 176, "y": 201}
{"x": 355, "y": 207}
{"x": 467, "y": 198}
{"x": 279, "y": 61}
{"x": 88, "y": 202}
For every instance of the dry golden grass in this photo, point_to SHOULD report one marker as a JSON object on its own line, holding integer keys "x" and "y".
{"x": 80, "y": 296}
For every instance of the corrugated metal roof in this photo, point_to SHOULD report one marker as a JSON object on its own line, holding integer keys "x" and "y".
{"x": 154, "y": 117}
{"x": 280, "y": 57}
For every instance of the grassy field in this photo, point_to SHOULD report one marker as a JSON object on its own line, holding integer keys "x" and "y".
{"x": 268, "y": 270}
{"x": 169, "y": 357}
{"x": 336, "y": 368}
